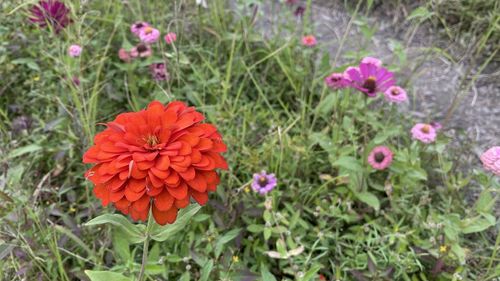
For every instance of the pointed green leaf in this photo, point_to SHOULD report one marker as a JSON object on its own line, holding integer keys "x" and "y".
{"x": 134, "y": 232}
{"x": 96, "y": 275}
{"x": 162, "y": 233}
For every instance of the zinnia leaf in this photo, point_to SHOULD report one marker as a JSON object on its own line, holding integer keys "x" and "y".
{"x": 135, "y": 235}
{"x": 162, "y": 233}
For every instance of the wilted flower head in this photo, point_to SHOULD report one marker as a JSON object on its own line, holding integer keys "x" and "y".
{"x": 374, "y": 61}
{"x": 124, "y": 55}
{"x": 309, "y": 41}
{"x": 371, "y": 79}
{"x": 50, "y": 12}
{"x": 149, "y": 35}
{"x": 138, "y": 26}
{"x": 263, "y": 182}
{"x": 424, "y": 133}
{"x": 299, "y": 12}
{"x": 170, "y": 38}
{"x": 337, "y": 81}
{"x": 395, "y": 94}
{"x": 380, "y": 157}
{"x": 156, "y": 158}
{"x": 159, "y": 71}
{"x": 74, "y": 50}
{"x": 436, "y": 125}
{"x": 491, "y": 160}
{"x": 142, "y": 50}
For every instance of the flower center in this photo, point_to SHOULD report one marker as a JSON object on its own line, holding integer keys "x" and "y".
{"x": 148, "y": 30}
{"x": 379, "y": 157}
{"x": 139, "y": 25}
{"x": 395, "y": 92}
{"x": 262, "y": 181}
{"x": 370, "y": 84}
{"x": 141, "y": 48}
{"x": 425, "y": 129}
{"x": 152, "y": 141}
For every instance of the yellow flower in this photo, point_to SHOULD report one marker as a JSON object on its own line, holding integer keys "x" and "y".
{"x": 247, "y": 189}
{"x": 443, "y": 249}
{"x": 36, "y": 78}
{"x": 236, "y": 259}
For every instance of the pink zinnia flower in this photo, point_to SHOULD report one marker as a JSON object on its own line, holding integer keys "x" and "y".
{"x": 159, "y": 71}
{"x": 170, "y": 38}
{"x": 374, "y": 61}
{"x": 141, "y": 50}
{"x": 424, "y": 133}
{"x": 149, "y": 35}
{"x": 371, "y": 79}
{"x": 50, "y": 12}
{"x": 263, "y": 182}
{"x": 138, "y": 26}
{"x": 395, "y": 94}
{"x": 337, "y": 81}
{"x": 491, "y": 160}
{"x": 74, "y": 51}
{"x": 124, "y": 55}
{"x": 309, "y": 41}
{"x": 380, "y": 157}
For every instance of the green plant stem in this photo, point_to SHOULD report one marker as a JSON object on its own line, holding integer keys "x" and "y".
{"x": 145, "y": 249}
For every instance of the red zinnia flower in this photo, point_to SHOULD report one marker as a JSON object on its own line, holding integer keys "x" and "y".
{"x": 162, "y": 155}
{"x": 50, "y": 12}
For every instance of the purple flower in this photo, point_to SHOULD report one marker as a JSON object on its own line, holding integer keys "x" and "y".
{"x": 263, "y": 183}
{"x": 371, "y": 79}
{"x": 395, "y": 94}
{"x": 159, "y": 71}
{"x": 50, "y": 12}
{"x": 138, "y": 26}
{"x": 337, "y": 80}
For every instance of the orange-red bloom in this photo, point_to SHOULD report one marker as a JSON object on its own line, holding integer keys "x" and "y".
{"x": 162, "y": 155}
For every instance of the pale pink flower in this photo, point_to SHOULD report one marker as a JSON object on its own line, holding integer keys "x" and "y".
{"x": 380, "y": 157}
{"x": 170, "y": 38}
{"x": 141, "y": 50}
{"x": 309, "y": 41}
{"x": 124, "y": 55}
{"x": 491, "y": 160}
{"x": 424, "y": 133}
{"x": 149, "y": 35}
{"x": 74, "y": 50}
{"x": 395, "y": 94}
{"x": 374, "y": 61}
{"x": 138, "y": 26}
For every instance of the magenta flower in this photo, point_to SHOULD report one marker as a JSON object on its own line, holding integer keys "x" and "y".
{"x": 149, "y": 35}
{"x": 124, "y": 55}
{"x": 170, "y": 38}
{"x": 50, "y": 13}
{"x": 141, "y": 50}
{"x": 159, "y": 71}
{"x": 138, "y": 26}
{"x": 74, "y": 51}
{"x": 395, "y": 94}
{"x": 424, "y": 133}
{"x": 380, "y": 157}
{"x": 491, "y": 160}
{"x": 309, "y": 41}
{"x": 263, "y": 183}
{"x": 374, "y": 61}
{"x": 371, "y": 79}
{"x": 337, "y": 81}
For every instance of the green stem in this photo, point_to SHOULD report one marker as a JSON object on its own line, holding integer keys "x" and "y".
{"x": 145, "y": 249}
